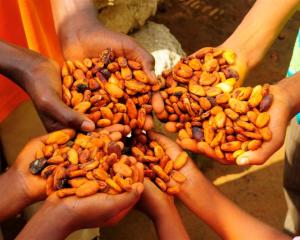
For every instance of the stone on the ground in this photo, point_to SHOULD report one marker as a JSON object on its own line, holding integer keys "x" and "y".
{"x": 157, "y": 39}
{"x": 125, "y": 15}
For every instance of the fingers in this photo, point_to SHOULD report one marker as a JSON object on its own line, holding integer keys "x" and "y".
{"x": 205, "y": 148}
{"x": 259, "y": 156}
{"x": 147, "y": 61}
{"x": 123, "y": 129}
{"x": 278, "y": 124}
{"x": 115, "y": 136}
{"x": 69, "y": 131}
{"x": 164, "y": 141}
{"x": 158, "y": 103}
{"x": 171, "y": 148}
{"x": 68, "y": 117}
{"x": 120, "y": 202}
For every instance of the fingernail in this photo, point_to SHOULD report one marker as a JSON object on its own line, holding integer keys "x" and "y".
{"x": 87, "y": 125}
{"x": 242, "y": 161}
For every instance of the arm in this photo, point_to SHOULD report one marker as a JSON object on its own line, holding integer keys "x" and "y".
{"x": 17, "y": 62}
{"x": 202, "y": 198}
{"x": 12, "y": 200}
{"x": 70, "y": 214}
{"x": 286, "y": 104}
{"x": 161, "y": 209}
{"x": 222, "y": 215}
{"x": 259, "y": 28}
{"x": 82, "y": 35}
{"x": 18, "y": 187}
{"x": 40, "y": 78}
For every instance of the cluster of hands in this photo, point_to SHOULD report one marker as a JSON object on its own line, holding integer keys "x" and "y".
{"x": 42, "y": 82}
{"x": 73, "y": 213}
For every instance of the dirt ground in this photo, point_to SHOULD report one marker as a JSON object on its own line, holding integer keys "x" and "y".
{"x": 258, "y": 190}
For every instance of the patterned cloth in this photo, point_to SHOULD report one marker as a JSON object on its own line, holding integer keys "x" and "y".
{"x": 295, "y": 63}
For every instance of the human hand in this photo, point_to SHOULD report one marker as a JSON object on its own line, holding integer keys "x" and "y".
{"x": 34, "y": 187}
{"x": 280, "y": 114}
{"x": 43, "y": 84}
{"x": 98, "y": 210}
{"x": 153, "y": 200}
{"x": 66, "y": 215}
{"x": 40, "y": 78}
{"x": 89, "y": 40}
{"x": 237, "y": 70}
{"x": 172, "y": 149}
{"x": 240, "y": 65}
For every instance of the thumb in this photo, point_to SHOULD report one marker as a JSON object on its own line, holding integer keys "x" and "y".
{"x": 126, "y": 200}
{"x": 68, "y": 117}
{"x": 148, "y": 61}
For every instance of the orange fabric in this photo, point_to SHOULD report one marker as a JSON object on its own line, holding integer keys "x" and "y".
{"x": 27, "y": 23}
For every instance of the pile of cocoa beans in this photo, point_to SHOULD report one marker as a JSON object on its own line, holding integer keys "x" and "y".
{"x": 157, "y": 164}
{"x": 85, "y": 164}
{"x": 203, "y": 102}
{"x": 108, "y": 89}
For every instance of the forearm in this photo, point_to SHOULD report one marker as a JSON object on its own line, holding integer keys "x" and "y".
{"x": 259, "y": 28}
{"x": 229, "y": 221}
{"x": 48, "y": 224}
{"x": 16, "y": 61}
{"x": 69, "y": 14}
{"x": 291, "y": 87}
{"x": 168, "y": 217}
{"x": 13, "y": 198}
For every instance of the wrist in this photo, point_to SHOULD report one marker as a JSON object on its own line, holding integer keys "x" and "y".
{"x": 289, "y": 88}
{"x": 13, "y": 201}
{"x": 164, "y": 213}
{"x": 17, "y": 179}
{"x": 19, "y": 64}
{"x": 74, "y": 18}
{"x": 57, "y": 226}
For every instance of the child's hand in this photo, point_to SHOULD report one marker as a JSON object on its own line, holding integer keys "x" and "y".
{"x": 72, "y": 213}
{"x": 34, "y": 187}
{"x": 172, "y": 149}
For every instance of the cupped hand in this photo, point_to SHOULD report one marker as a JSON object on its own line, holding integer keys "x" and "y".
{"x": 172, "y": 149}
{"x": 98, "y": 210}
{"x": 240, "y": 66}
{"x": 88, "y": 41}
{"x": 43, "y": 84}
{"x": 280, "y": 114}
{"x": 33, "y": 186}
